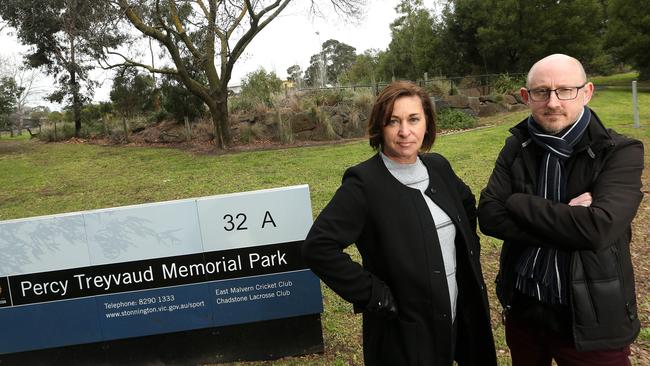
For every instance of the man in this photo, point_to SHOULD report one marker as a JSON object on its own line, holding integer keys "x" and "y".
{"x": 562, "y": 195}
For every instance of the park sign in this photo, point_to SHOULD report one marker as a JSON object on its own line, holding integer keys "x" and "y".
{"x": 229, "y": 263}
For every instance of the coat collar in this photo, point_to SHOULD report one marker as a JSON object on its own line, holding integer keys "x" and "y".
{"x": 435, "y": 190}
{"x": 595, "y": 139}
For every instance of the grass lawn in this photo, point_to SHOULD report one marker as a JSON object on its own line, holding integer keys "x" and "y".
{"x": 623, "y": 80}
{"x": 39, "y": 179}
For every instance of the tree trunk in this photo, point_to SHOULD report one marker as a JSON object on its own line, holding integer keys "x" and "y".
{"x": 76, "y": 101}
{"x": 76, "y": 105}
{"x": 216, "y": 125}
{"x": 220, "y": 121}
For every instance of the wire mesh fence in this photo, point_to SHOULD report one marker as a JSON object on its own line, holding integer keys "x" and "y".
{"x": 473, "y": 85}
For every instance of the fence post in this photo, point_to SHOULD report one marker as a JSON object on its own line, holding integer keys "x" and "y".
{"x": 105, "y": 126}
{"x": 125, "y": 126}
{"x": 188, "y": 130}
{"x": 635, "y": 105}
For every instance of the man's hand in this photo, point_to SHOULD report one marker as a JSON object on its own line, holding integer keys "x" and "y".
{"x": 582, "y": 200}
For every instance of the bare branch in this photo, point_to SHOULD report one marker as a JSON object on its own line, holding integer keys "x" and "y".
{"x": 236, "y": 22}
{"x": 180, "y": 31}
{"x": 347, "y": 8}
{"x": 206, "y": 13}
{"x": 255, "y": 27}
{"x": 132, "y": 63}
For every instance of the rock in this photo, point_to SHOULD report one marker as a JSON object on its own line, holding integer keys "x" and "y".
{"x": 303, "y": 135}
{"x": 469, "y": 112}
{"x": 487, "y": 109}
{"x": 517, "y": 107}
{"x": 474, "y": 104}
{"x": 246, "y": 118}
{"x": 502, "y": 106}
{"x": 440, "y": 104}
{"x": 457, "y": 101}
{"x": 509, "y": 99}
{"x": 470, "y": 92}
{"x": 303, "y": 121}
{"x": 337, "y": 124}
{"x": 490, "y": 98}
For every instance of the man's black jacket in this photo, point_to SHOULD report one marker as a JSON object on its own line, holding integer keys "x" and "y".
{"x": 601, "y": 280}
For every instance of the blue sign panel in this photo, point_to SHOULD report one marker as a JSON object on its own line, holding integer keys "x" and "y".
{"x": 157, "y": 268}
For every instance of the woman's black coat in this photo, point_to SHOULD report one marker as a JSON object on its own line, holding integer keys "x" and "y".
{"x": 393, "y": 229}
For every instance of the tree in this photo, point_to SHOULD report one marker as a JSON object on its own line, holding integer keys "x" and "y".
{"x": 338, "y": 58}
{"x": 461, "y": 19}
{"x": 313, "y": 74}
{"x": 131, "y": 92}
{"x": 328, "y": 65}
{"x": 497, "y": 36}
{"x": 571, "y": 27}
{"x": 260, "y": 85}
{"x": 628, "y": 33}
{"x": 9, "y": 95}
{"x": 26, "y": 78}
{"x": 66, "y": 35}
{"x": 363, "y": 70}
{"x": 209, "y": 35}
{"x": 295, "y": 75}
{"x": 178, "y": 101}
{"x": 413, "y": 49}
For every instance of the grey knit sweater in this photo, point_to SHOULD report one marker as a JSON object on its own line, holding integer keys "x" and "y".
{"x": 415, "y": 176}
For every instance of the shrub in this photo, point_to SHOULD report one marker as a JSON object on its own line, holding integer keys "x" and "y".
{"x": 260, "y": 86}
{"x": 363, "y": 101}
{"x": 180, "y": 102}
{"x": 245, "y": 133}
{"x": 469, "y": 82}
{"x": 239, "y": 104}
{"x": 438, "y": 87}
{"x": 158, "y": 117}
{"x": 332, "y": 97}
{"x": 602, "y": 64}
{"x": 285, "y": 132}
{"x": 64, "y": 131}
{"x": 324, "y": 129}
{"x": 508, "y": 84}
{"x": 454, "y": 119}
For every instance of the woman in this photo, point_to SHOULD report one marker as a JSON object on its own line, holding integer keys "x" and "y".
{"x": 420, "y": 288}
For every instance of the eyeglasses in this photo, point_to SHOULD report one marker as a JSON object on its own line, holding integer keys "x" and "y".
{"x": 542, "y": 95}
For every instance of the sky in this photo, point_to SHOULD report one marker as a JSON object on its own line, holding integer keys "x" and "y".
{"x": 292, "y": 38}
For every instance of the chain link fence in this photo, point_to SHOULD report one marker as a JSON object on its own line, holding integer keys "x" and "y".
{"x": 439, "y": 87}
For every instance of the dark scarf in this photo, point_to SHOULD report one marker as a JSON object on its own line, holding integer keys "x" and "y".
{"x": 542, "y": 271}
